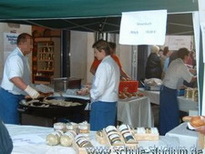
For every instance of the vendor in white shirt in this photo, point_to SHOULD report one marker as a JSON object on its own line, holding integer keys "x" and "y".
{"x": 104, "y": 91}
{"x": 16, "y": 80}
{"x": 176, "y": 73}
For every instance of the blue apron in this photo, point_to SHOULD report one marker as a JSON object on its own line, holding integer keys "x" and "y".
{"x": 169, "y": 110}
{"x": 8, "y": 107}
{"x": 102, "y": 114}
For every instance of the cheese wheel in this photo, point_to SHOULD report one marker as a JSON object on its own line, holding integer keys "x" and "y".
{"x": 52, "y": 139}
{"x": 66, "y": 140}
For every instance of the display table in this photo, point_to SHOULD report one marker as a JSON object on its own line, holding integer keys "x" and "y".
{"x": 31, "y": 140}
{"x": 135, "y": 112}
{"x": 184, "y": 104}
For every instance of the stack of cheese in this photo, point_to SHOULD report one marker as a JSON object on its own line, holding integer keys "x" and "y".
{"x": 65, "y": 133}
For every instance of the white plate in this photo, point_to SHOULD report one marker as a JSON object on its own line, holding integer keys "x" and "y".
{"x": 191, "y": 127}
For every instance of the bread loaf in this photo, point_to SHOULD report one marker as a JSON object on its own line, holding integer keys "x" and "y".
{"x": 197, "y": 121}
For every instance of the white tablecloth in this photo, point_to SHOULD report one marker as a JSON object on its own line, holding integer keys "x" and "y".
{"x": 31, "y": 140}
{"x": 184, "y": 104}
{"x": 187, "y": 138}
{"x": 135, "y": 112}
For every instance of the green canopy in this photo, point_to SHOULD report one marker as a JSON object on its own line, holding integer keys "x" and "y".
{"x": 91, "y": 15}
{"x": 52, "y": 9}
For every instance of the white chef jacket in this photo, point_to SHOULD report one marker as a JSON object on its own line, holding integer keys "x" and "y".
{"x": 16, "y": 65}
{"x": 176, "y": 73}
{"x": 106, "y": 81}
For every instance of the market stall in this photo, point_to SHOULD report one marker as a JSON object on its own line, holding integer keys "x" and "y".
{"x": 22, "y": 142}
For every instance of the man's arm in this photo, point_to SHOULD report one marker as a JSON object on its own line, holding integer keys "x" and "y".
{"x": 17, "y": 81}
{"x": 23, "y": 86}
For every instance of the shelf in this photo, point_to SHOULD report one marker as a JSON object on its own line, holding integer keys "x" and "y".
{"x": 41, "y": 76}
{"x": 43, "y": 59}
{"x": 38, "y": 70}
{"x": 46, "y": 60}
{"x": 42, "y": 39}
{"x": 41, "y": 82}
{"x": 45, "y": 52}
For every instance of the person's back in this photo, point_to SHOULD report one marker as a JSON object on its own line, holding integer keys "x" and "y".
{"x": 153, "y": 66}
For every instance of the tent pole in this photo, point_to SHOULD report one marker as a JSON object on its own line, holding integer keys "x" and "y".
{"x": 65, "y": 54}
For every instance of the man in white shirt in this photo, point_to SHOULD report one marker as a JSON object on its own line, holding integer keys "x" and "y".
{"x": 104, "y": 91}
{"x": 176, "y": 73}
{"x": 16, "y": 80}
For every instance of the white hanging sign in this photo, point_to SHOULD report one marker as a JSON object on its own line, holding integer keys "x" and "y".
{"x": 201, "y": 4}
{"x": 203, "y": 39}
{"x": 175, "y": 42}
{"x": 143, "y": 28}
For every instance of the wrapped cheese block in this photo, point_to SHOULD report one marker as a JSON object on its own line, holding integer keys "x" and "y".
{"x": 125, "y": 130}
{"x": 59, "y": 126}
{"x": 84, "y": 128}
{"x": 71, "y": 126}
{"x": 146, "y": 134}
{"x": 113, "y": 135}
{"x": 83, "y": 141}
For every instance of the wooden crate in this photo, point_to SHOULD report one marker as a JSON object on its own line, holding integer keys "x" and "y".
{"x": 146, "y": 137}
{"x": 103, "y": 139}
{"x": 78, "y": 149}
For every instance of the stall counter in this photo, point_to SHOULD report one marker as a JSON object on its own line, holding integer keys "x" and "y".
{"x": 32, "y": 140}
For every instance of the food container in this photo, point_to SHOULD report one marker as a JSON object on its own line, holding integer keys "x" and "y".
{"x": 130, "y": 86}
{"x": 60, "y": 84}
{"x": 191, "y": 93}
{"x": 64, "y": 83}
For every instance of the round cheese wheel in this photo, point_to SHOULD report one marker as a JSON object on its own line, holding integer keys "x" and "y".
{"x": 52, "y": 139}
{"x": 66, "y": 141}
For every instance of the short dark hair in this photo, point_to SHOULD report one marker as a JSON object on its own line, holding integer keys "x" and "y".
{"x": 112, "y": 45}
{"x": 23, "y": 37}
{"x": 182, "y": 52}
{"x": 102, "y": 45}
